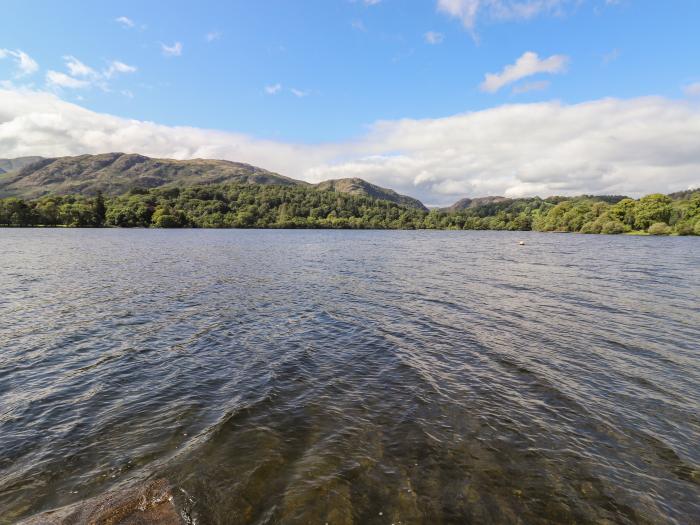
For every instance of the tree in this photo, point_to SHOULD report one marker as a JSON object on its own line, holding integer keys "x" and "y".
{"x": 692, "y": 209}
{"x": 17, "y": 213}
{"x": 164, "y": 217}
{"x": 100, "y": 210}
{"x": 47, "y": 210}
{"x": 684, "y": 228}
{"x": 613, "y": 228}
{"x": 76, "y": 214}
{"x": 591, "y": 227}
{"x": 652, "y": 209}
{"x": 624, "y": 212}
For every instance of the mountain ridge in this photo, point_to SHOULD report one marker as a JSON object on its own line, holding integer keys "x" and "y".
{"x": 357, "y": 186}
{"x": 116, "y": 173}
{"x": 475, "y": 202}
{"x": 8, "y": 165}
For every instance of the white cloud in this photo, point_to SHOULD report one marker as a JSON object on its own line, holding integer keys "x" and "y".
{"x": 273, "y": 89}
{"x": 616, "y": 146}
{"x": 77, "y": 69}
{"x": 469, "y": 10}
{"x": 81, "y": 76}
{"x": 172, "y": 51}
{"x": 25, "y": 64}
{"x": 465, "y": 10}
{"x": 125, "y": 22}
{"x": 299, "y": 93}
{"x": 117, "y": 67}
{"x": 527, "y": 65}
{"x": 212, "y": 35}
{"x": 432, "y": 37}
{"x": 692, "y": 90}
{"x": 540, "y": 85}
{"x": 61, "y": 80}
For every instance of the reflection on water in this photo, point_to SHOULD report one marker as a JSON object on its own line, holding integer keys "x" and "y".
{"x": 353, "y": 377}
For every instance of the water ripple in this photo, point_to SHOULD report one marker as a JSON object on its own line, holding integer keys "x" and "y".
{"x": 354, "y": 377}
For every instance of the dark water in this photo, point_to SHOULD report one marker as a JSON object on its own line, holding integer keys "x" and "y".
{"x": 353, "y": 377}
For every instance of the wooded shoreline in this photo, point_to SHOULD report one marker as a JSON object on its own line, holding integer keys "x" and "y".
{"x": 280, "y": 207}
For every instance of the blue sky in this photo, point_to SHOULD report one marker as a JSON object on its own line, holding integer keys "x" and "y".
{"x": 354, "y": 62}
{"x": 324, "y": 72}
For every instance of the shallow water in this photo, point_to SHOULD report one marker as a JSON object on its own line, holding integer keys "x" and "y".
{"x": 353, "y": 377}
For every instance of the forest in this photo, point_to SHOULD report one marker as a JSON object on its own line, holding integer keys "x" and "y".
{"x": 277, "y": 206}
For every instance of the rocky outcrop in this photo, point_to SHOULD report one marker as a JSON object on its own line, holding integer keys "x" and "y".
{"x": 146, "y": 504}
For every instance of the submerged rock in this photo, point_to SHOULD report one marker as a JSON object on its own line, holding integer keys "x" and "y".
{"x": 146, "y": 504}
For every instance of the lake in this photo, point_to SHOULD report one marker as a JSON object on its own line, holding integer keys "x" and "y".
{"x": 353, "y": 376}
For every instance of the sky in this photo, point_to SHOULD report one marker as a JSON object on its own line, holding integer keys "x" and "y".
{"x": 438, "y": 99}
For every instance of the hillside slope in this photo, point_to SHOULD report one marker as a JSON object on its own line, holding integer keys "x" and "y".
{"x": 467, "y": 204}
{"x": 7, "y": 165}
{"x": 356, "y": 186}
{"x": 117, "y": 173}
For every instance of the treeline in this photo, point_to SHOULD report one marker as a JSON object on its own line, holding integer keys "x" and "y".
{"x": 213, "y": 206}
{"x": 274, "y": 206}
{"x": 655, "y": 214}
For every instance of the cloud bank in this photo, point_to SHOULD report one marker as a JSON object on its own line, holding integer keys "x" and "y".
{"x": 631, "y": 146}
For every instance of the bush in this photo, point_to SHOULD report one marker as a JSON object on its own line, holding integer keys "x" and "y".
{"x": 165, "y": 221}
{"x": 165, "y": 218}
{"x": 659, "y": 228}
{"x": 613, "y": 228}
{"x": 684, "y": 228}
{"x": 697, "y": 228}
{"x": 591, "y": 227}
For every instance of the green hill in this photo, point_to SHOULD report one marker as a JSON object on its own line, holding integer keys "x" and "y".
{"x": 362, "y": 187}
{"x": 7, "y": 165}
{"x": 118, "y": 173}
{"x": 468, "y": 204}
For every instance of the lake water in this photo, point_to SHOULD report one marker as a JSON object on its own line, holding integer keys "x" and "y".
{"x": 353, "y": 377}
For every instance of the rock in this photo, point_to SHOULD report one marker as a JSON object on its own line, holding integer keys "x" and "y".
{"x": 146, "y": 504}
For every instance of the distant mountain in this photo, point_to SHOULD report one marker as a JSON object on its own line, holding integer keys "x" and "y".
{"x": 117, "y": 173}
{"x": 362, "y": 187}
{"x": 7, "y": 165}
{"x": 465, "y": 204}
{"x": 684, "y": 194}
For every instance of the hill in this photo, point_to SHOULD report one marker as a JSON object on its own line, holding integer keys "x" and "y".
{"x": 467, "y": 204}
{"x": 7, "y": 165}
{"x": 118, "y": 173}
{"x": 362, "y": 187}
{"x": 244, "y": 205}
{"x": 684, "y": 194}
